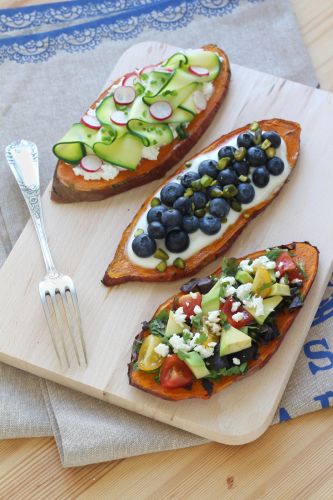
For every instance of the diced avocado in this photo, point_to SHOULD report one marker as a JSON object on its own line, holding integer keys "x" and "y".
{"x": 244, "y": 277}
{"x": 173, "y": 327}
{"x": 211, "y": 300}
{"x": 262, "y": 282}
{"x": 269, "y": 305}
{"x": 280, "y": 289}
{"x": 245, "y": 329}
{"x": 233, "y": 340}
{"x": 196, "y": 364}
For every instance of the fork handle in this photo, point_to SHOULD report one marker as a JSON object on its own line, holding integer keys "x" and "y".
{"x": 22, "y": 157}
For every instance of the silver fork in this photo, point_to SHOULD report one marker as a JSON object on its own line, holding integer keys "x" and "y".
{"x": 57, "y": 291}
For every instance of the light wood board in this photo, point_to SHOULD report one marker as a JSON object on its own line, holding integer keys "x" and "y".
{"x": 83, "y": 238}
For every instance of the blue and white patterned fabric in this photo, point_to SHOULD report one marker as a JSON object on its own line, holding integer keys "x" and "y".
{"x": 48, "y": 50}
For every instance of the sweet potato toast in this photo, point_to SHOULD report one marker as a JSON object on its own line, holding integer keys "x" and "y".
{"x": 67, "y": 187}
{"x": 205, "y": 387}
{"x": 122, "y": 269}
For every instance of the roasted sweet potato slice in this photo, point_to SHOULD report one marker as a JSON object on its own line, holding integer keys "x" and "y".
{"x": 304, "y": 252}
{"x": 67, "y": 187}
{"x": 122, "y": 269}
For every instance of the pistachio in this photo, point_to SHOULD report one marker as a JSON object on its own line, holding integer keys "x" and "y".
{"x": 206, "y": 181}
{"x": 243, "y": 178}
{"x": 223, "y": 163}
{"x": 270, "y": 152}
{"x": 240, "y": 154}
{"x": 188, "y": 193}
{"x": 235, "y": 205}
{"x": 246, "y": 215}
{"x": 224, "y": 220}
{"x": 266, "y": 144}
{"x": 229, "y": 191}
{"x": 196, "y": 185}
{"x": 216, "y": 193}
{"x": 137, "y": 232}
{"x": 214, "y": 182}
{"x": 161, "y": 266}
{"x": 254, "y": 126}
{"x": 161, "y": 254}
{"x": 179, "y": 263}
{"x": 200, "y": 212}
{"x": 257, "y": 137}
{"x": 155, "y": 202}
{"x": 188, "y": 164}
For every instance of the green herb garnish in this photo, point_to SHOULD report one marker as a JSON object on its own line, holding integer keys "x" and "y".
{"x": 229, "y": 266}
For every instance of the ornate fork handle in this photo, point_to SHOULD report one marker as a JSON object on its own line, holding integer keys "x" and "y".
{"x": 22, "y": 157}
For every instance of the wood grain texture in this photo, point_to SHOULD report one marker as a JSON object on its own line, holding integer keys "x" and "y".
{"x": 288, "y": 462}
{"x": 84, "y": 236}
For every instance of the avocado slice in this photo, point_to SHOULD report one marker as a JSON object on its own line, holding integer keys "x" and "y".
{"x": 173, "y": 327}
{"x": 196, "y": 364}
{"x": 243, "y": 277}
{"x": 233, "y": 340}
{"x": 262, "y": 282}
{"x": 269, "y": 305}
{"x": 211, "y": 300}
{"x": 280, "y": 289}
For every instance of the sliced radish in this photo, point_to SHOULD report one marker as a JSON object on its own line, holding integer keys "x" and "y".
{"x": 130, "y": 78}
{"x": 198, "y": 71}
{"x": 90, "y": 121}
{"x": 124, "y": 95}
{"x": 199, "y": 100}
{"x": 147, "y": 69}
{"x": 119, "y": 118}
{"x": 161, "y": 69}
{"x": 91, "y": 163}
{"x": 160, "y": 110}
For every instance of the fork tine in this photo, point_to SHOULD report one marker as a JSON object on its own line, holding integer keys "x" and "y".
{"x": 58, "y": 317}
{"x": 69, "y": 321}
{"x": 75, "y": 301}
{"x": 49, "y": 323}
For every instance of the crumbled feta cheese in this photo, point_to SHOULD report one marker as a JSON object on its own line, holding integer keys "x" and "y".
{"x": 228, "y": 279}
{"x": 187, "y": 331}
{"x": 281, "y": 264}
{"x": 236, "y": 361}
{"x": 235, "y": 306}
{"x": 107, "y": 172}
{"x": 214, "y": 316}
{"x": 222, "y": 300}
{"x": 197, "y": 309}
{"x": 277, "y": 274}
{"x": 193, "y": 295}
{"x": 207, "y": 90}
{"x": 205, "y": 351}
{"x": 246, "y": 266}
{"x": 177, "y": 343}
{"x": 215, "y": 328}
{"x": 238, "y": 317}
{"x": 179, "y": 315}
{"x": 243, "y": 291}
{"x": 264, "y": 262}
{"x": 257, "y": 304}
{"x": 230, "y": 290}
{"x": 296, "y": 281}
{"x": 150, "y": 152}
{"x": 162, "y": 350}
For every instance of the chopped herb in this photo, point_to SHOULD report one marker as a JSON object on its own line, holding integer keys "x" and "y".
{"x": 203, "y": 337}
{"x": 197, "y": 321}
{"x": 274, "y": 253}
{"x": 187, "y": 336}
{"x": 136, "y": 366}
{"x": 181, "y": 131}
{"x": 157, "y": 377}
{"x": 227, "y": 372}
{"x": 157, "y": 327}
{"x": 301, "y": 267}
{"x": 163, "y": 315}
{"x": 169, "y": 92}
{"x": 144, "y": 113}
{"x": 229, "y": 266}
{"x": 144, "y": 76}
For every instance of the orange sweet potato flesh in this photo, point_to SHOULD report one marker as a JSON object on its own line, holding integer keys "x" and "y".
{"x": 122, "y": 269}
{"x": 304, "y": 252}
{"x": 67, "y": 187}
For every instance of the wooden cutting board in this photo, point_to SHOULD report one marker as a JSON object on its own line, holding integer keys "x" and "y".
{"x": 83, "y": 238}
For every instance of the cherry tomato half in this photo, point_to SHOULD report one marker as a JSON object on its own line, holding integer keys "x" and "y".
{"x": 174, "y": 373}
{"x": 188, "y": 303}
{"x": 285, "y": 264}
{"x": 226, "y": 308}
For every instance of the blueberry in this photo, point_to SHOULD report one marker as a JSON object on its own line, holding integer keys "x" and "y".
{"x": 183, "y": 204}
{"x": 199, "y": 199}
{"x": 245, "y": 193}
{"x": 245, "y": 140}
{"x": 155, "y": 213}
{"x": 275, "y": 166}
{"x": 171, "y": 192}
{"x": 260, "y": 177}
{"x": 219, "y": 207}
{"x": 208, "y": 167}
{"x": 226, "y": 152}
{"x": 177, "y": 241}
{"x": 210, "y": 224}
{"x": 156, "y": 230}
{"x": 190, "y": 223}
{"x": 189, "y": 177}
{"x": 172, "y": 218}
{"x": 227, "y": 176}
{"x": 256, "y": 156}
{"x": 273, "y": 137}
{"x": 241, "y": 168}
{"x": 143, "y": 245}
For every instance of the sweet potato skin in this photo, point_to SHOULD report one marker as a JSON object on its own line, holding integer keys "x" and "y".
{"x": 68, "y": 188}
{"x": 145, "y": 381}
{"x": 121, "y": 269}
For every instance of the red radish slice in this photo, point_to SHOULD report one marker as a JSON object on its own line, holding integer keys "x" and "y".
{"x": 147, "y": 69}
{"x": 90, "y": 121}
{"x": 199, "y": 100}
{"x": 198, "y": 71}
{"x": 160, "y": 110}
{"x": 91, "y": 163}
{"x": 130, "y": 78}
{"x": 119, "y": 118}
{"x": 124, "y": 95}
{"x": 161, "y": 69}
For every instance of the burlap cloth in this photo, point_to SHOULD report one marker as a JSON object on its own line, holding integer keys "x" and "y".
{"x": 54, "y": 60}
